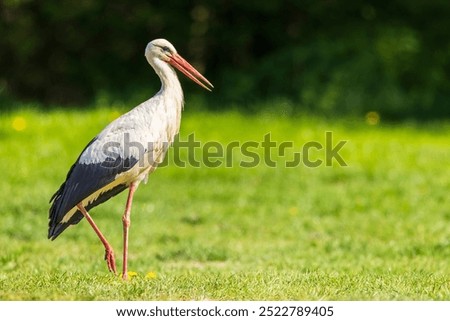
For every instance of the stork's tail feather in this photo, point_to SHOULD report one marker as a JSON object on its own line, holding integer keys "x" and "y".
{"x": 58, "y": 228}
{"x": 55, "y": 226}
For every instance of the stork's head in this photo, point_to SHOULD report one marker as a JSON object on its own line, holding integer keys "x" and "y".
{"x": 161, "y": 49}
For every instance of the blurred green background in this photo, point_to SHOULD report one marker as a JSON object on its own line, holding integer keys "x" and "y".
{"x": 328, "y": 57}
{"x": 375, "y": 74}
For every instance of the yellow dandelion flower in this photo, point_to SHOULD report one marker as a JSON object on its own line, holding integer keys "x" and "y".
{"x": 372, "y": 118}
{"x": 293, "y": 211}
{"x": 19, "y": 124}
{"x": 150, "y": 275}
{"x": 131, "y": 274}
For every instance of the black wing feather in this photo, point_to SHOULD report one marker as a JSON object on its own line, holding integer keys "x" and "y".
{"x": 83, "y": 180}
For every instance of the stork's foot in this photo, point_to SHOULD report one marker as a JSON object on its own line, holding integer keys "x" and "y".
{"x": 110, "y": 260}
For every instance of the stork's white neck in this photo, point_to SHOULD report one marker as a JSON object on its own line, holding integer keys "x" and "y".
{"x": 170, "y": 85}
{"x": 171, "y": 99}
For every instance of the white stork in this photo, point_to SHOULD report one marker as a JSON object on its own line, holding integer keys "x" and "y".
{"x": 125, "y": 152}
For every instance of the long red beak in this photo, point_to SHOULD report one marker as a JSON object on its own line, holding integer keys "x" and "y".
{"x": 186, "y": 68}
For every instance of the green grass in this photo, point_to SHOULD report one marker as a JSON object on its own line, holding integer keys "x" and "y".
{"x": 378, "y": 229}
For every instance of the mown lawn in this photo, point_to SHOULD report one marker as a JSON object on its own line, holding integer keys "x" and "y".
{"x": 377, "y": 229}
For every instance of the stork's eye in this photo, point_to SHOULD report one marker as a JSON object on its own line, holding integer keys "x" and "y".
{"x": 166, "y": 49}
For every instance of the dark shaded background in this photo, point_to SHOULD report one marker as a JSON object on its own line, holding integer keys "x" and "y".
{"x": 330, "y": 57}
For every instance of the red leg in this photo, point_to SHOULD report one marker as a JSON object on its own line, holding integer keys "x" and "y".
{"x": 109, "y": 253}
{"x": 126, "y": 225}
